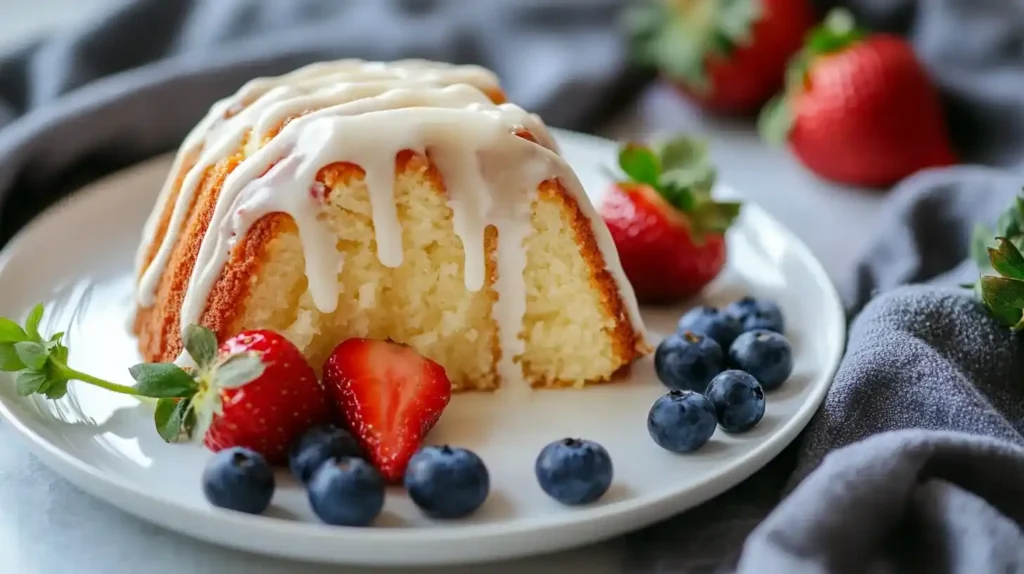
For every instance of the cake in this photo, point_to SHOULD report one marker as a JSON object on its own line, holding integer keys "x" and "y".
{"x": 403, "y": 201}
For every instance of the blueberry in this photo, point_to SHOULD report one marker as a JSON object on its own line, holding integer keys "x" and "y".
{"x": 239, "y": 479}
{"x": 738, "y": 400}
{"x": 752, "y": 313}
{"x": 711, "y": 322}
{"x": 316, "y": 446}
{"x": 346, "y": 492}
{"x": 574, "y": 471}
{"x": 766, "y": 355}
{"x": 447, "y": 482}
{"x": 688, "y": 361}
{"x": 681, "y": 421}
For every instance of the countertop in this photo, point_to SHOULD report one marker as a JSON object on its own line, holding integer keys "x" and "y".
{"x": 48, "y": 526}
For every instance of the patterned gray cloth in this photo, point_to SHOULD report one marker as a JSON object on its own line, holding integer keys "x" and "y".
{"x": 927, "y": 410}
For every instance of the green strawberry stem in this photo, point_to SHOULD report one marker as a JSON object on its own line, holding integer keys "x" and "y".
{"x": 678, "y": 36}
{"x": 681, "y": 172}
{"x": 71, "y": 374}
{"x": 997, "y": 253}
{"x": 837, "y": 32}
{"x": 41, "y": 367}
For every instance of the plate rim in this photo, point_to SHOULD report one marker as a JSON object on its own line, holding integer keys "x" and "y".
{"x": 628, "y": 514}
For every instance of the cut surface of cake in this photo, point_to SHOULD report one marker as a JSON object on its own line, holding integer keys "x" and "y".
{"x": 404, "y": 201}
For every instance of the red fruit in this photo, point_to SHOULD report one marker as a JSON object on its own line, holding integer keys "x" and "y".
{"x": 282, "y": 401}
{"x": 668, "y": 231}
{"x": 859, "y": 109}
{"x": 390, "y": 398}
{"x": 728, "y": 55}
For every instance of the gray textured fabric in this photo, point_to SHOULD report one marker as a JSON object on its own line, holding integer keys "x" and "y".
{"x": 926, "y": 408}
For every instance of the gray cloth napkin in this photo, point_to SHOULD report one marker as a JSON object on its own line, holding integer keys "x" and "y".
{"x": 913, "y": 464}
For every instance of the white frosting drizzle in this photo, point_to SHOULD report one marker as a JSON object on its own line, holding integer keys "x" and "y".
{"x": 366, "y": 112}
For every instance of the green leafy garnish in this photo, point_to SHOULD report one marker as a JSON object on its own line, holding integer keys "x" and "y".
{"x": 40, "y": 366}
{"x": 681, "y": 173}
{"x": 1001, "y": 266}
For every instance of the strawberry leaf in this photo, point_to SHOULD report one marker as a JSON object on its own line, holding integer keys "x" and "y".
{"x": 640, "y": 163}
{"x": 239, "y": 370}
{"x": 11, "y": 332}
{"x": 9, "y": 360}
{"x": 29, "y": 381}
{"x": 55, "y": 389}
{"x": 162, "y": 380}
{"x": 170, "y": 416}
{"x": 1007, "y": 260}
{"x": 32, "y": 322}
{"x": 775, "y": 121}
{"x": 32, "y": 354}
{"x": 1004, "y": 299}
{"x": 837, "y": 32}
{"x": 201, "y": 344}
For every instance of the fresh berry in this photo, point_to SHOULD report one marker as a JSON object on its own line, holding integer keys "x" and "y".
{"x": 766, "y": 355}
{"x": 668, "y": 230}
{"x": 346, "y": 492}
{"x": 728, "y": 56}
{"x": 316, "y": 446}
{"x": 262, "y": 393}
{"x": 738, "y": 400}
{"x": 859, "y": 108}
{"x": 752, "y": 313}
{"x": 390, "y": 398}
{"x": 688, "y": 361}
{"x": 710, "y": 322}
{"x": 238, "y": 479}
{"x": 447, "y": 482}
{"x": 681, "y": 421}
{"x": 574, "y": 471}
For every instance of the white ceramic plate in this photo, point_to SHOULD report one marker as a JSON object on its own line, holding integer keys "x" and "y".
{"x": 76, "y": 258}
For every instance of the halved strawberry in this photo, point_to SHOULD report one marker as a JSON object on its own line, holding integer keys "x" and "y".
{"x": 390, "y": 398}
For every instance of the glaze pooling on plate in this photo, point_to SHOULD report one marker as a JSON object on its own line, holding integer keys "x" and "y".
{"x": 366, "y": 113}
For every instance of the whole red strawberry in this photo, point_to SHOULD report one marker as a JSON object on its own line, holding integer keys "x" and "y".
{"x": 668, "y": 230}
{"x": 389, "y": 396}
{"x": 728, "y": 55}
{"x": 859, "y": 108}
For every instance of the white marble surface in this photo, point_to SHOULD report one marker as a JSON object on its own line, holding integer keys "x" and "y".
{"x": 48, "y": 526}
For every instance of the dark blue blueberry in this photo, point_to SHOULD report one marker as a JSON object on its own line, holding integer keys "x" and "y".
{"x": 766, "y": 355}
{"x": 346, "y": 492}
{"x": 753, "y": 313}
{"x": 574, "y": 471}
{"x": 688, "y": 361}
{"x": 711, "y": 322}
{"x": 239, "y": 479}
{"x": 738, "y": 400}
{"x": 447, "y": 482}
{"x": 682, "y": 421}
{"x": 318, "y": 445}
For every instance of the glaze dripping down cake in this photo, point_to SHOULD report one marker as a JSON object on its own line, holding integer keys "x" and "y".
{"x": 404, "y": 201}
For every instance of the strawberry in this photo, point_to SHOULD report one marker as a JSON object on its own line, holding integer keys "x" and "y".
{"x": 257, "y": 391}
{"x": 729, "y": 56}
{"x": 390, "y": 398}
{"x": 668, "y": 230}
{"x": 858, "y": 108}
{"x": 279, "y": 400}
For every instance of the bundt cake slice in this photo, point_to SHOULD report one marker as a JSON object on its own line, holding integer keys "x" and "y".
{"x": 400, "y": 201}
